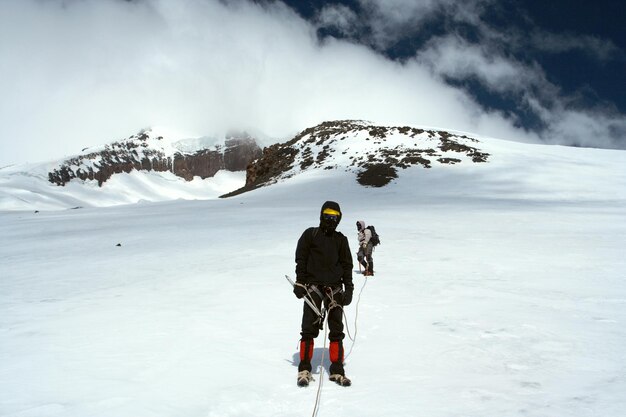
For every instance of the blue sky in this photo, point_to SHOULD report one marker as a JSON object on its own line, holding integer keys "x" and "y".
{"x": 79, "y": 73}
{"x": 579, "y": 47}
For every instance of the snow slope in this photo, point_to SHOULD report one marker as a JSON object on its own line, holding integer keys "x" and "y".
{"x": 27, "y": 188}
{"x": 499, "y": 292}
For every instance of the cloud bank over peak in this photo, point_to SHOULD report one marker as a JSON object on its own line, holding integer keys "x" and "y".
{"x": 477, "y": 47}
{"x": 81, "y": 73}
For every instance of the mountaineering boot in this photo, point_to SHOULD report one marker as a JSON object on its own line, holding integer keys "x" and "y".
{"x": 304, "y": 367}
{"x": 304, "y": 377}
{"x": 337, "y": 373}
{"x": 340, "y": 380}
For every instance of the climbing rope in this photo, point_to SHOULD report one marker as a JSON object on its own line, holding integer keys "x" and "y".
{"x": 356, "y": 317}
{"x": 353, "y": 339}
{"x": 321, "y": 377}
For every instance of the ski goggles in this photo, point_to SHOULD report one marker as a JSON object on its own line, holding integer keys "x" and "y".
{"x": 330, "y": 214}
{"x": 330, "y": 217}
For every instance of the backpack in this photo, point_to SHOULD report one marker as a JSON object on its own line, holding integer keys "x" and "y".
{"x": 375, "y": 240}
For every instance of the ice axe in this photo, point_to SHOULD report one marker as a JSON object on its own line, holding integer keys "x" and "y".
{"x": 308, "y": 301}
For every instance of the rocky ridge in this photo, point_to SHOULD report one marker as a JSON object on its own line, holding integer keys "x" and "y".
{"x": 150, "y": 151}
{"x": 374, "y": 153}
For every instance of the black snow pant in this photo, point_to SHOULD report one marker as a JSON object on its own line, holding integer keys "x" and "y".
{"x": 311, "y": 329}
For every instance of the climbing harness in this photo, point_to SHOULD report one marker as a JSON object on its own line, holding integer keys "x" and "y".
{"x": 329, "y": 293}
{"x": 308, "y": 298}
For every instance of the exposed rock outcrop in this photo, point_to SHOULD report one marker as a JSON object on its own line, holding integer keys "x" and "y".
{"x": 154, "y": 153}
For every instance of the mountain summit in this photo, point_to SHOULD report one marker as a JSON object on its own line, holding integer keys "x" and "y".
{"x": 374, "y": 153}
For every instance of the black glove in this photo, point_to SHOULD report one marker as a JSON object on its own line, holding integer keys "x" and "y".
{"x": 299, "y": 290}
{"x": 347, "y": 295}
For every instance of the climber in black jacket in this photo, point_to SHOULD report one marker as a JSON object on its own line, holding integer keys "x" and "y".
{"x": 324, "y": 274}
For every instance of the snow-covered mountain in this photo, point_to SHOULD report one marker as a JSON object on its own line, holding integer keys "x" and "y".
{"x": 373, "y": 152}
{"x": 151, "y": 150}
{"x": 499, "y": 291}
{"x": 153, "y": 165}
{"x": 141, "y": 164}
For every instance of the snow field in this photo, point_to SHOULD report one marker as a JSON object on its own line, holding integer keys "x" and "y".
{"x": 499, "y": 291}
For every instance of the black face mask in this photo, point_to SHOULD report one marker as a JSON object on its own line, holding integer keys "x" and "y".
{"x": 328, "y": 225}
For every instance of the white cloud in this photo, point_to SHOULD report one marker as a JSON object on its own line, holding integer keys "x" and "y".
{"x": 392, "y": 20}
{"x": 452, "y": 56}
{"x": 80, "y": 73}
{"x": 595, "y": 47}
{"x": 591, "y": 129}
{"x": 339, "y": 17}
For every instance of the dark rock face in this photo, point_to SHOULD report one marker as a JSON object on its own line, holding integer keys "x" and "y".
{"x": 135, "y": 154}
{"x": 377, "y": 175}
{"x": 376, "y": 153}
{"x": 275, "y": 160}
{"x": 240, "y": 152}
{"x": 203, "y": 163}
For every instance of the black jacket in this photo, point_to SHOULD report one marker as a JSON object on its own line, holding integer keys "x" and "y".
{"x": 323, "y": 259}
